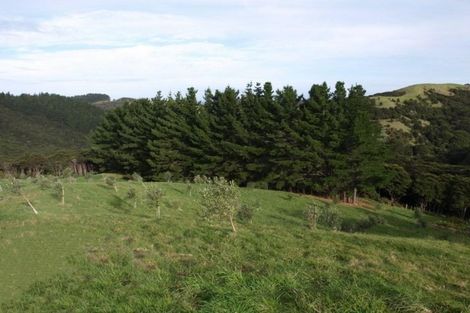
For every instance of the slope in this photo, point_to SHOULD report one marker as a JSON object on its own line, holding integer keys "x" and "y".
{"x": 42, "y": 124}
{"x": 391, "y": 98}
{"x": 98, "y": 253}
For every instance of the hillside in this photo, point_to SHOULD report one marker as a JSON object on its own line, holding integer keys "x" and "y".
{"x": 390, "y": 99}
{"x": 43, "y": 124}
{"x": 111, "y": 104}
{"x": 97, "y": 253}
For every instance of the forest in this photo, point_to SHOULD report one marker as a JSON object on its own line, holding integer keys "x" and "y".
{"x": 329, "y": 143}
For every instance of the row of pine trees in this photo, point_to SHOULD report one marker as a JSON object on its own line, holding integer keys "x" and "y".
{"x": 327, "y": 143}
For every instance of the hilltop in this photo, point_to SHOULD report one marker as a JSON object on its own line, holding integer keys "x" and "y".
{"x": 390, "y": 99}
{"x": 97, "y": 253}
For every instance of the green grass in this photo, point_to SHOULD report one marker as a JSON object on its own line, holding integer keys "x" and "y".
{"x": 99, "y": 254}
{"x": 414, "y": 91}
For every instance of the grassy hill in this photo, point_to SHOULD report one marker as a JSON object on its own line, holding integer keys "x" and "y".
{"x": 391, "y": 98}
{"x": 97, "y": 253}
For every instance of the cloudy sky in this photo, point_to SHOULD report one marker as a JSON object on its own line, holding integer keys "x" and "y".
{"x": 135, "y": 47}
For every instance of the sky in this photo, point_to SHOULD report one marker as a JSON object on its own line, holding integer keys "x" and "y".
{"x": 135, "y": 48}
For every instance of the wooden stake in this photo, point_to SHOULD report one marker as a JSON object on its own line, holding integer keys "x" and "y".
{"x": 29, "y": 203}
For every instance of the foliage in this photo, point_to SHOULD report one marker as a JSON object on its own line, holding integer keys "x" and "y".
{"x": 246, "y": 213}
{"x": 221, "y": 199}
{"x": 330, "y": 217}
{"x": 39, "y": 131}
{"x": 136, "y": 177}
{"x": 154, "y": 199}
{"x": 131, "y": 194}
{"x": 111, "y": 182}
{"x": 44, "y": 182}
{"x": 59, "y": 191}
{"x": 311, "y": 214}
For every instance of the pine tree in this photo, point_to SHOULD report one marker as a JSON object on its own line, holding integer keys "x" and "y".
{"x": 363, "y": 147}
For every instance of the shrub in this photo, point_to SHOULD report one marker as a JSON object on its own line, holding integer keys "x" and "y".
{"x": 132, "y": 195}
{"x": 422, "y": 222}
{"x": 246, "y": 212}
{"x": 362, "y": 224}
{"x": 59, "y": 192}
{"x": 111, "y": 182}
{"x": 348, "y": 226}
{"x": 221, "y": 198}
{"x": 15, "y": 186}
{"x": 311, "y": 214}
{"x": 136, "y": 177}
{"x": 198, "y": 179}
{"x": 154, "y": 198}
{"x": 418, "y": 212}
{"x": 44, "y": 182}
{"x": 330, "y": 217}
{"x": 168, "y": 175}
{"x": 366, "y": 223}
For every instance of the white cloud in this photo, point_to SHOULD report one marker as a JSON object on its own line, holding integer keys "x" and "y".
{"x": 136, "y": 52}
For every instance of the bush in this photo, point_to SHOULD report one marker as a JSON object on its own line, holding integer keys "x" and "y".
{"x": 348, "y": 226}
{"x": 198, "y": 179}
{"x": 44, "y": 182}
{"x": 364, "y": 224}
{"x": 221, "y": 198}
{"x": 59, "y": 192}
{"x": 15, "y": 186}
{"x": 418, "y": 212}
{"x": 136, "y": 177}
{"x": 330, "y": 217}
{"x": 111, "y": 182}
{"x": 154, "y": 198}
{"x": 246, "y": 213}
{"x": 422, "y": 222}
{"x": 311, "y": 215}
{"x": 168, "y": 176}
{"x": 132, "y": 195}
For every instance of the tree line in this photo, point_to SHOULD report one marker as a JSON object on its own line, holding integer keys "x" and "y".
{"x": 329, "y": 142}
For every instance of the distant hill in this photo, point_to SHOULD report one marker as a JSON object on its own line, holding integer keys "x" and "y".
{"x": 392, "y": 98}
{"x": 109, "y": 104}
{"x": 434, "y": 118}
{"x": 44, "y": 124}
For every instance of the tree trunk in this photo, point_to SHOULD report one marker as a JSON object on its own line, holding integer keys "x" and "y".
{"x": 63, "y": 196}
{"x": 234, "y": 229}
{"x": 355, "y": 196}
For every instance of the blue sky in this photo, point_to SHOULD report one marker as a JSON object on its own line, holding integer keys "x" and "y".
{"x": 135, "y": 48}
